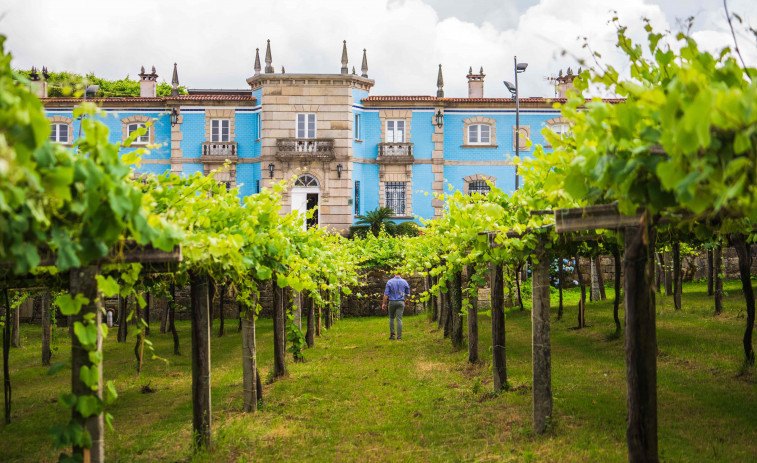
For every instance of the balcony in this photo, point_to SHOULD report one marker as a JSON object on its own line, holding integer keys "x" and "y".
{"x": 395, "y": 153}
{"x": 214, "y": 151}
{"x": 305, "y": 149}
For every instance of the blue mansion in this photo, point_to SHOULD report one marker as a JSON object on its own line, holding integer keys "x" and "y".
{"x": 351, "y": 152}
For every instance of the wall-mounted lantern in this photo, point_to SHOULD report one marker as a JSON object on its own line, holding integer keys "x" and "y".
{"x": 439, "y": 118}
{"x": 270, "y": 169}
{"x": 338, "y": 171}
{"x": 174, "y": 117}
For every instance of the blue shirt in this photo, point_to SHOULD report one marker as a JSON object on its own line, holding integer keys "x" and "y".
{"x": 397, "y": 288}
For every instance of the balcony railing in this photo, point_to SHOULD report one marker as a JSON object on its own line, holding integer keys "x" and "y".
{"x": 305, "y": 148}
{"x": 219, "y": 151}
{"x": 395, "y": 152}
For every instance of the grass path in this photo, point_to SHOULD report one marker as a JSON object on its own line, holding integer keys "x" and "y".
{"x": 361, "y": 397}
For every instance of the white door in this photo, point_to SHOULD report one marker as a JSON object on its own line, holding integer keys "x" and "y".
{"x": 300, "y": 203}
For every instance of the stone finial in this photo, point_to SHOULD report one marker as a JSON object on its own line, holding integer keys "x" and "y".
{"x": 482, "y": 71}
{"x": 470, "y": 70}
{"x": 175, "y": 81}
{"x": 153, "y": 70}
{"x": 345, "y": 70}
{"x": 570, "y": 71}
{"x": 283, "y": 71}
{"x": 268, "y": 59}
{"x": 34, "y": 75}
{"x": 353, "y": 71}
{"x": 440, "y": 84}
{"x": 45, "y": 74}
{"x": 257, "y": 62}
{"x": 364, "y": 67}
{"x": 142, "y": 70}
{"x": 580, "y": 70}
{"x": 560, "y": 74}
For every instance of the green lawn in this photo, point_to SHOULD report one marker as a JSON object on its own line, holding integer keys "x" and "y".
{"x": 360, "y": 397}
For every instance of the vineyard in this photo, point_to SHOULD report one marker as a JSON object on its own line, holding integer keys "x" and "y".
{"x": 673, "y": 166}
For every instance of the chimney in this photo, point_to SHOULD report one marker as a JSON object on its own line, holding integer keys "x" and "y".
{"x": 39, "y": 86}
{"x": 565, "y": 82}
{"x": 148, "y": 83}
{"x": 476, "y": 83}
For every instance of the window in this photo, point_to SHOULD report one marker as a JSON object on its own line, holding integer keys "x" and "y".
{"x": 220, "y": 130}
{"x": 257, "y": 186}
{"x": 478, "y": 186}
{"x": 260, "y": 116}
{"x": 356, "y": 127}
{"x": 59, "y": 133}
{"x": 395, "y": 197}
{"x": 357, "y": 197}
{"x": 306, "y": 181}
{"x": 395, "y": 131}
{"x": 306, "y": 125}
{"x": 142, "y": 139}
{"x": 560, "y": 129}
{"x": 479, "y": 134}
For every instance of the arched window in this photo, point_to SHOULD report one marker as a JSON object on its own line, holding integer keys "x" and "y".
{"x": 479, "y": 134}
{"x": 562, "y": 129}
{"x": 307, "y": 181}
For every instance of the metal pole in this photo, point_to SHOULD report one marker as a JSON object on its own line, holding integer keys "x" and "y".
{"x": 517, "y": 121}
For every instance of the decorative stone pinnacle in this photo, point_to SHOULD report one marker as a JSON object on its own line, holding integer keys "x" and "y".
{"x": 353, "y": 71}
{"x": 268, "y": 59}
{"x": 153, "y": 70}
{"x": 283, "y": 71}
{"x": 440, "y": 84}
{"x": 175, "y": 81}
{"x": 482, "y": 71}
{"x": 345, "y": 70}
{"x": 142, "y": 70}
{"x": 45, "y": 74}
{"x": 257, "y": 62}
{"x": 364, "y": 67}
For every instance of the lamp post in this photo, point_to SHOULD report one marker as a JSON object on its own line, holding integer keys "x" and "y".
{"x": 338, "y": 171}
{"x": 519, "y": 68}
{"x": 270, "y": 169}
{"x": 174, "y": 117}
{"x": 439, "y": 118}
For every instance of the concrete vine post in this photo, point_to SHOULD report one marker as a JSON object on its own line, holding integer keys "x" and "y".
{"x": 472, "y": 317}
{"x": 541, "y": 347}
{"x": 82, "y": 281}
{"x": 279, "y": 353}
{"x": 201, "y": 408}
{"x": 456, "y": 296}
{"x": 499, "y": 363}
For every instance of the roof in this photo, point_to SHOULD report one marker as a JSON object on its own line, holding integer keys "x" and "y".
{"x": 487, "y": 101}
{"x": 160, "y": 99}
{"x": 218, "y": 91}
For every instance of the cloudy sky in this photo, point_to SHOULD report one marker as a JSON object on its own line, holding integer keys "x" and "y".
{"x": 214, "y": 42}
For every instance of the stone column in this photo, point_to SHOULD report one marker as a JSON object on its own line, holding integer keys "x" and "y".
{"x": 437, "y": 163}
{"x": 176, "y": 152}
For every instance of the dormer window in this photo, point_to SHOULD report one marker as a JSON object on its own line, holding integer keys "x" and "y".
{"x": 479, "y": 134}
{"x": 141, "y": 139}
{"x": 395, "y": 131}
{"x": 59, "y": 133}
{"x": 220, "y": 130}
{"x": 306, "y": 125}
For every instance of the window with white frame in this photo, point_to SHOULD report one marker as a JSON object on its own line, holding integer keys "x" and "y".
{"x": 479, "y": 134}
{"x": 306, "y": 125}
{"x": 560, "y": 129}
{"x": 395, "y": 131}
{"x": 142, "y": 139}
{"x": 356, "y": 127}
{"x": 395, "y": 197}
{"x": 478, "y": 186}
{"x": 220, "y": 130}
{"x": 59, "y": 133}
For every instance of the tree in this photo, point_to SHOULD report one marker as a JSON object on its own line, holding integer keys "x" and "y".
{"x": 376, "y": 218}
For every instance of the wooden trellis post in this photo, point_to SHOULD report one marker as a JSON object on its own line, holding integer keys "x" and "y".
{"x": 201, "y": 414}
{"x": 499, "y": 357}
{"x": 541, "y": 348}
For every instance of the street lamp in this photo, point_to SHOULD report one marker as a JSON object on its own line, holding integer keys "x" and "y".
{"x": 338, "y": 171}
{"x": 513, "y": 89}
{"x": 439, "y": 118}
{"x": 270, "y": 169}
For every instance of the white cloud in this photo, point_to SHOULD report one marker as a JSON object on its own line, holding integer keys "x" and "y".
{"x": 214, "y": 42}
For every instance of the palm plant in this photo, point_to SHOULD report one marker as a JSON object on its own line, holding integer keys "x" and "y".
{"x": 376, "y": 218}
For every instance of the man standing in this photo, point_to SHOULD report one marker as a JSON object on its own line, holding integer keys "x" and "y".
{"x": 395, "y": 292}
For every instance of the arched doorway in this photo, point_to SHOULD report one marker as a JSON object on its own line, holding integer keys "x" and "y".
{"x": 306, "y": 195}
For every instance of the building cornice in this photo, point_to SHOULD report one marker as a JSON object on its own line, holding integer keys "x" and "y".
{"x": 157, "y": 102}
{"x": 350, "y": 80}
{"x": 465, "y": 103}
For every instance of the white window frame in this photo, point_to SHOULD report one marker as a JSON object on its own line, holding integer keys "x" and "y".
{"x": 478, "y": 136}
{"x": 562, "y": 129}
{"x": 308, "y": 123}
{"x": 142, "y": 139}
{"x": 393, "y": 128}
{"x": 217, "y": 128}
{"x": 356, "y": 127}
{"x": 59, "y": 131}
